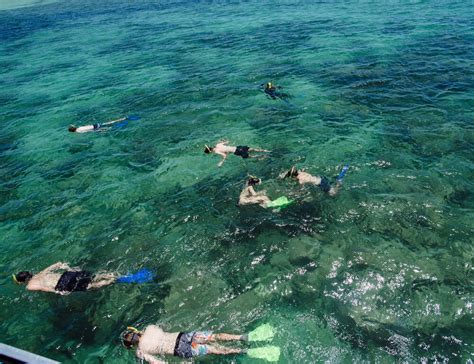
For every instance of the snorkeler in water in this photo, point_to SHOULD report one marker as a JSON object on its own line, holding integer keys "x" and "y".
{"x": 70, "y": 280}
{"x": 100, "y": 127}
{"x": 154, "y": 341}
{"x": 249, "y": 196}
{"x": 322, "y": 182}
{"x": 271, "y": 90}
{"x": 75, "y": 279}
{"x": 223, "y": 150}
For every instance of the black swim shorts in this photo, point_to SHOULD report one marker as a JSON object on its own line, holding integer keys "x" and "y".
{"x": 74, "y": 281}
{"x": 325, "y": 185}
{"x": 242, "y": 151}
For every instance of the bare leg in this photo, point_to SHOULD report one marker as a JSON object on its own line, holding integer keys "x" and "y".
{"x": 225, "y": 337}
{"x": 103, "y": 279}
{"x": 259, "y": 150}
{"x": 221, "y": 350}
{"x": 334, "y": 189}
{"x": 114, "y": 121}
{"x": 258, "y": 157}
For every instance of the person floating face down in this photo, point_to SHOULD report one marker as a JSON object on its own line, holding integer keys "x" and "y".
{"x": 223, "y": 150}
{"x": 153, "y": 341}
{"x": 70, "y": 280}
{"x": 93, "y": 127}
{"x": 271, "y": 90}
{"x": 249, "y": 196}
{"x": 306, "y": 178}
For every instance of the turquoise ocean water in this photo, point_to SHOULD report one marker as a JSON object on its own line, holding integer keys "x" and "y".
{"x": 381, "y": 273}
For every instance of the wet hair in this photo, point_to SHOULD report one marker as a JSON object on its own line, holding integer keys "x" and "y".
{"x": 252, "y": 181}
{"x": 72, "y": 128}
{"x": 293, "y": 172}
{"x": 130, "y": 338}
{"x": 23, "y": 277}
{"x": 208, "y": 149}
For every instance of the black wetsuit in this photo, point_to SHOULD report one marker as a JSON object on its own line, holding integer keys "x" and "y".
{"x": 274, "y": 94}
{"x": 271, "y": 91}
{"x": 74, "y": 281}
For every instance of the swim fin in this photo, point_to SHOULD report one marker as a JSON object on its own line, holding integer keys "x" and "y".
{"x": 280, "y": 202}
{"x": 341, "y": 175}
{"x": 142, "y": 276}
{"x": 125, "y": 122}
{"x": 268, "y": 353}
{"x": 133, "y": 117}
{"x": 264, "y": 332}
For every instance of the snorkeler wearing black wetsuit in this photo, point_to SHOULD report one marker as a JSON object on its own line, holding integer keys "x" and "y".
{"x": 271, "y": 90}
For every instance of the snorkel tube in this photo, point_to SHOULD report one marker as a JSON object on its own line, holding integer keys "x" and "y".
{"x": 14, "y": 279}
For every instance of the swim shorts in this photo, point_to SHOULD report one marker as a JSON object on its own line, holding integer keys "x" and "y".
{"x": 190, "y": 344}
{"x": 242, "y": 151}
{"x": 74, "y": 281}
{"x": 325, "y": 185}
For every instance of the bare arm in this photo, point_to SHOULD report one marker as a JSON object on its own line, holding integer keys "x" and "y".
{"x": 224, "y": 156}
{"x": 251, "y": 191}
{"x": 149, "y": 358}
{"x": 55, "y": 266}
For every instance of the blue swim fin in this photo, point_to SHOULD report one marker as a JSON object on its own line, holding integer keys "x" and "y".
{"x": 125, "y": 122}
{"x": 133, "y": 117}
{"x": 142, "y": 276}
{"x": 341, "y": 175}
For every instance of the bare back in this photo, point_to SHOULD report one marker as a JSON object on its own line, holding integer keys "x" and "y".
{"x": 222, "y": 148}
{"x": 248, "y": 196}
{"x": 45, "y": 282}
{"x": 304, "y": 177}
{"x": 154, "y": 341}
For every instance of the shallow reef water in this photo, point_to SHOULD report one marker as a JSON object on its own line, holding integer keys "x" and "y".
{"x": 382, "y": 272}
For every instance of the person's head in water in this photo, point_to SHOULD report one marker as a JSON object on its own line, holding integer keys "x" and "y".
{"x": 72, "y": 128}
{"x": 131, "y": 337}
{"x": 252, "y": 181}
{"x": 293, "y": 172}
{"x": 269, "y": 86}
{"x": 208, "y": 149}
{"x": 22, "y": 277}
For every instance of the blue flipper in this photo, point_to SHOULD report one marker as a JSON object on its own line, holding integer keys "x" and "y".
{"x": 342, "y": 173}
{"x": 142, "y": 276}
{"x": 125, "y": 122}
{"x": 133, "y": 117}
{"x": 120, "y": 125}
